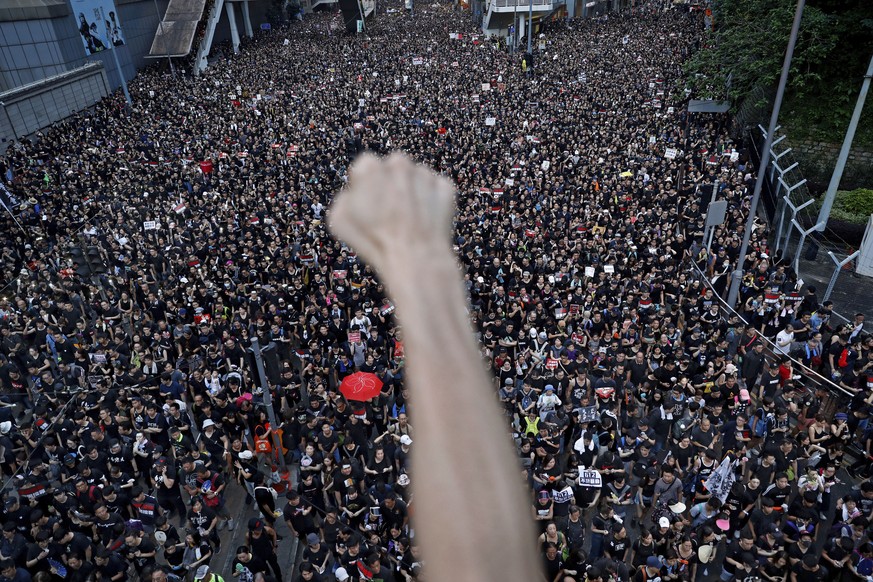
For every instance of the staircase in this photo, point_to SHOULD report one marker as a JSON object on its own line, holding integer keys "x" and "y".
{"x": 175, "y": 33}
{"x": 206, "y": 42}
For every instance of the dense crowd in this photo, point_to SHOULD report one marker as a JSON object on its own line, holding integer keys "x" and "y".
{"x": 659, "y": 440}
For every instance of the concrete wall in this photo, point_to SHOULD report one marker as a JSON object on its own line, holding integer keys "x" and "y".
{"x": 32, "y": 107}
{"x": 817, "y": 160}
{"x": 40, "y": 47}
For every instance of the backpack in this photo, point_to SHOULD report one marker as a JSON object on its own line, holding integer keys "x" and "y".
{"x": 762, "y": 424}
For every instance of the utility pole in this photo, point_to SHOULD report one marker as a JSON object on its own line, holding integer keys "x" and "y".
{"x": 114, "y": 50}
{"x": 737, "y": 275}
{"x": 257, "y": 352}
{"x": 828, "y": 201}
{"x": 166, "y": 43}
{"x": 530, "y": 27}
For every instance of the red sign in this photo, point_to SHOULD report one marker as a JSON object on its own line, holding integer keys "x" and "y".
{"x": 551, "y": 363}
{"x": 206, "y": 166}
{"x": 354, "y": 337}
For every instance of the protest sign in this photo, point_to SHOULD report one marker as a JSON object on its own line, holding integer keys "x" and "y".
{"x": 590, "y": 479}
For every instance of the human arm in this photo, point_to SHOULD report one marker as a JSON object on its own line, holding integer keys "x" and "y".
{"x": 398, "y": 217}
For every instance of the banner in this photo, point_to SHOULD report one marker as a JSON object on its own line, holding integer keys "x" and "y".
{"x": 722, "y": 479}
{"x": 99, "y": 25}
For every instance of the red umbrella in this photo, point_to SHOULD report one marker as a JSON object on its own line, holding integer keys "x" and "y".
{"x": 361, "y": 386}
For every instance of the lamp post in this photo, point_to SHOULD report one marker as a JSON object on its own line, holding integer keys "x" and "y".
{"x": 737, "y": 275}
{"x": 530, "y": 27}
{"x": 166, "y": 46}
{"x": 114, "y": 50}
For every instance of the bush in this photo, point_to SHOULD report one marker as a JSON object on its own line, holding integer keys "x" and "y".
{"x": 854, "y": 206}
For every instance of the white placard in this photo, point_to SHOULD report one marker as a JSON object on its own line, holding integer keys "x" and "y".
{"x": 150, "y": 225}
{"x": 545, "y": 165}
{"x": 608, "y": 269}
{"x": 671, "y": 153}
{"x": 490, "y": 121}
{"x": 589, "y": 271}
{"x": 509, "y": 182}
{"x": 590, "y": 479}
{"x": 486, "y": 86}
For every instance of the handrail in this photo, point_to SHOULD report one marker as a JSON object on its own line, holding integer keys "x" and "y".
{"x": 517, "y": 3}
{"x": 797, "y": 365}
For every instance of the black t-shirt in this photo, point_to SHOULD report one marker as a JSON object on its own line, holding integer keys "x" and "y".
{"x": 803, "y": 575}
{"x": 553, "y": 566}
{"x": 617, "y": 548}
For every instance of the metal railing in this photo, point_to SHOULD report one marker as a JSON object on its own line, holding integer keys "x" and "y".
{"x": 812, "y": 378}
{"x": 519, "y": 3}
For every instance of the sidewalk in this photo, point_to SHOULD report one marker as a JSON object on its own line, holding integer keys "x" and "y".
{"x": 852, "y": 293}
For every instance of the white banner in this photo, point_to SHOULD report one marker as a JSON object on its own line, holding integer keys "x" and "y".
{"x": 99, "y": 25}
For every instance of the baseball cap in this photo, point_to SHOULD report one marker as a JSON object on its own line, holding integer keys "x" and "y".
{"x": 245, "y": 455}
{"x": 341, "y": 574}
{"x": 678, "y": 507}
{"x": 201, "y": 573}
{"x": 313, "y": 539}
{"x": 405, "y": 440}
{"x": 664, "y": 522}
{"x": 653, "y": 562}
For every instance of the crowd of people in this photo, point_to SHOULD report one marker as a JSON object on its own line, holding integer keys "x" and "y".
{"x": 659, "y": 438}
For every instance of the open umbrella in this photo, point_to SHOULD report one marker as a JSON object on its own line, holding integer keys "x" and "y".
{"x": 361, "y": 386}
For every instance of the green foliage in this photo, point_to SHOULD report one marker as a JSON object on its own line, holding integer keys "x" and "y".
{"x": 747, "y": 47}
{"x": 852, "y": 206}
{"x": 859, "y": 202}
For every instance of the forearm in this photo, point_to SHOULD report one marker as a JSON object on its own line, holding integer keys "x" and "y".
{"x": 430, "y": 302}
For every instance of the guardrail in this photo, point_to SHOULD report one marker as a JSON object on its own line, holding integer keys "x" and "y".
{"x": 813, "y": 379}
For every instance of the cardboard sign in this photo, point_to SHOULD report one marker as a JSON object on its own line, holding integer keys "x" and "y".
{"x": 551, "y": 363}
{"x": 490, "y": 121}
{"x": 671, "y": 153}
{"x": 150, "y": 225}
{"x": 590, "y": 479}
{"x": 589, "y": 271}
{"x": 354, "y": 337}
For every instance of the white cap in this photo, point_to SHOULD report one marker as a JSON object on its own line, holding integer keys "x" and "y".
{"x": 664, "y": 522}
{"x": 207, "y": 423}
{"x": 341, "y": 574}
{"x": 201, "y": 573}
{"x": 245, "y": 455}
{"x": 405, "y": 440}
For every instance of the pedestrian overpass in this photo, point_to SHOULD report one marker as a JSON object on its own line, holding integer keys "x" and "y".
{"x": 501, "y": 14}
{"x": 189, "y": 25}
